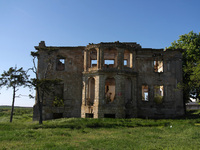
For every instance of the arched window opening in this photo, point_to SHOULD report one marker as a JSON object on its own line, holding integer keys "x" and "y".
{"x": 60, "y": 64}
{"x": 91, "y": 91}
{"x": 110, "y": 90}
{"x": 128, "y": 90}
{"x": 110, "y": 58}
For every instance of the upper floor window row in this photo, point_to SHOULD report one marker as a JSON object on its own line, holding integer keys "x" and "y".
{"x": 109, "y": 58}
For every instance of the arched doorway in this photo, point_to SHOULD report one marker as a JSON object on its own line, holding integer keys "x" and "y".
{"x": 91, "y": 91}
{"x": 109, "y": 90}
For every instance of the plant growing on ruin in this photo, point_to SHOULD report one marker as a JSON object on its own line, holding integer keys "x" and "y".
{"x": 158, "y": 99}
{"x": 14, "y": 78}
{"x": 58, "y": 101}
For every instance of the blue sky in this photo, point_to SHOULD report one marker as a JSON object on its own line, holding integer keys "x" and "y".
{"x": 150, "y": 23}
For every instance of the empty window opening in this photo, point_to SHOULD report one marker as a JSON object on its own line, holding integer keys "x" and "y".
{"x": 109, "y": 115}
{"x": 110, "y": 90}
{"x": 89, "y": 115}
{"x": 145, "y": 93}
{"x": 60, "y": 64}
{"x": 128, "y": 62}
{"x": 158, "y": 94}
{"x": 93, "y": 58}
{"x": 57, "y": 115}
{"x": 58, "y": 93}
{"x": 109, "y": 63}
{"x": 110, "y": 58}
{"x": 128, "y": 89}
{"x": 158, "y": 66}
{"x": 91, "y": 91}
{"x": 125, "y": 63}
{"x": 93, "y": 63}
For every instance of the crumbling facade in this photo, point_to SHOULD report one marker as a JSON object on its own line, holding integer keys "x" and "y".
{"x": 111, "y": 80}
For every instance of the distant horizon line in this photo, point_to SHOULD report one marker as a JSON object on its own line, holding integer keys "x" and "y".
{"x": 16, "y": 106}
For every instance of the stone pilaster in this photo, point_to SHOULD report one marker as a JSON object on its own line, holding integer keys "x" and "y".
{"x": 120, "y": 58}
{"x": 134, "y": 97}
{"x": 98, "y": 58}
{"x": 99, "y": 96}
{"x": 101, "y": 51}
{"x": 96, "y": 100}
{"x": 120, "y": 96}
{"x": 86, "y": 60}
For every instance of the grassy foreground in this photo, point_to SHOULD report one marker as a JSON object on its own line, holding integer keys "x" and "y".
{"x": 77, "y": 133}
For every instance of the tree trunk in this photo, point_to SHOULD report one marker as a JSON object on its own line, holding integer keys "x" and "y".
{"x": 11, "y": 115}
{"x": 40, "y": 111}
{"x": 40, "y": 106}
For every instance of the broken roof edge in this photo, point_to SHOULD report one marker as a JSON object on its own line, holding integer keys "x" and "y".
{"x": 177, "y": 49}
{"x": 129, "y": 45}
{"x": 43, "y": 46}
{"x": 135, "y": 45}
{"x": 55, "y": 47}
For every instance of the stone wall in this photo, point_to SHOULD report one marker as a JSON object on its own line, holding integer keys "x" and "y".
{"x": 131, "y": 68}
{"x": 172, "y": 105}
{"x": 71, "y": 78}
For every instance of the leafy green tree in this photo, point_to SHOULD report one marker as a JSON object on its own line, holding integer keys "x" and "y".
{"x": 14, "y": 78}
{"x": 191, "y": 64}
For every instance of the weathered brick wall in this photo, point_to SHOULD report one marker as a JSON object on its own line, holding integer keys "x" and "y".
{"x": 71, "y": 78}
{"x": 172, "y": 105}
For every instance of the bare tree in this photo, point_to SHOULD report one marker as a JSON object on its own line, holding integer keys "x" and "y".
{"x": 42, "y": 84}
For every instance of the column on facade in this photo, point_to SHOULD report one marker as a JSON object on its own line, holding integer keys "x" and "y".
{"x": 120, "y": 96}
{"x": 84, "y": 96}
{"x": 86, "y": 60}
{"x": 131, "y": 60}
{"x": 98, "y": 58}
{"x": 96, "y": 100}
{"x": 99, "y": 96}
{"x": 84, "y": 91}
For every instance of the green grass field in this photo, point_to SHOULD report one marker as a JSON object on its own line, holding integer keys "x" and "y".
{"x": 77, "y": 133}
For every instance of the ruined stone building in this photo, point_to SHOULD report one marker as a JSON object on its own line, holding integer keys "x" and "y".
{"x": 115, "y": 80}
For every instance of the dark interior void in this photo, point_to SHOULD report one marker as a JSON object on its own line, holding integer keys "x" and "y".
{"x": 109, "y": 115}
{"x": 89, "y": 115}
{"x": 57, "y": 115}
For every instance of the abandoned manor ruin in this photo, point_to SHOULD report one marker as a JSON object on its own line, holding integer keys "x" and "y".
{"x": 111, "y": 80}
